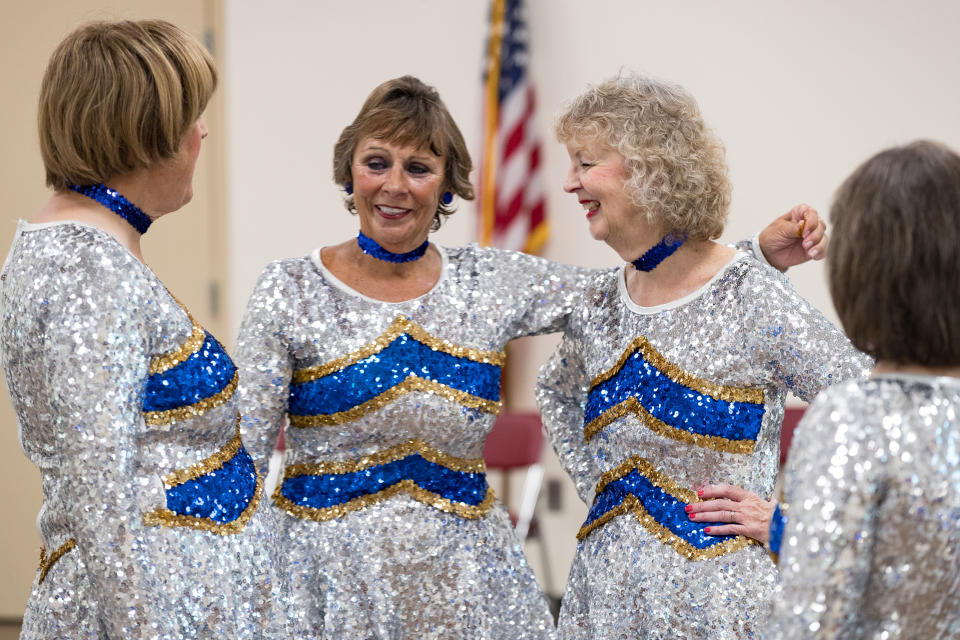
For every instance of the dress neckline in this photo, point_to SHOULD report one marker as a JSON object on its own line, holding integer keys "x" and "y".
{"x": 317, "y": 261}
{"x": 673, "y": 304}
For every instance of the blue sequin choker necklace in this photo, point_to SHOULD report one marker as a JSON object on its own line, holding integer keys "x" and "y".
{"x": 370, "y": 247}
{"x": 659, "y": 252}
{"x": 117, "y": 203}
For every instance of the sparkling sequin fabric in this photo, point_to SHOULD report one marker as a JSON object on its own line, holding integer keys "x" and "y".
{"x": 872, "y": 488}
{"x": 643, "y": 405}
{"x": 384, "y": 505}
{"x": 149, "y": 521}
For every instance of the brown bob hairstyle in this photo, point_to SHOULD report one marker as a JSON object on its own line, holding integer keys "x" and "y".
{"x": 119, "y": 96}
{"x": 894, "y": 259}
{"x": 405, "y": 111}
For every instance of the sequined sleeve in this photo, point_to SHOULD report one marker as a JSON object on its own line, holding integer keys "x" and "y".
{"x": 832, "y": 489}
{"x": 95, "y": 360}
{"x": 803, "y": 350}
{"x": 751, "y": 247}
{"x": 264, "y": 361}
{"x": 539, "y": 294}
{"x": 561, "y": 394}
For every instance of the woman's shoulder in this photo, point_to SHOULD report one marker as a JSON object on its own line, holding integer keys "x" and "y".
{"x": 759, "y": 287}
{"x": 66, "y": 241}
{"x": 522, "y": 267}
{"x": 861, "y": 402}
{"x": 70, "y": 254}
{"x": 489, "y": 258}
{"x": 752, "y": 272}
{"x": 745, "y": 269}
{"x": 291, "y": 269}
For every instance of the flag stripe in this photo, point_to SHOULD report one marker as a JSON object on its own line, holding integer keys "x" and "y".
{"x": 513, "y": 209}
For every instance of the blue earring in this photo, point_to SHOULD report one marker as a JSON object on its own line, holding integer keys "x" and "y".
{"x": 348, "y": 187}
{"x": 446, "y": 198}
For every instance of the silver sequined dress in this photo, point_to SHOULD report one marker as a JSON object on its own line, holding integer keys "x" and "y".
{"x": 149, "y": 521}
{"x": 871, "y": 547}
{"x": 385, "y": 510}
{"x": 643, "y": 405}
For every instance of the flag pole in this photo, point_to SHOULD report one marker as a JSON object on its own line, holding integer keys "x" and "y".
{"x": 491, "y": 117}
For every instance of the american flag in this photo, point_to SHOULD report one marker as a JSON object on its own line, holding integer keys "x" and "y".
{"x": 513, "y": 215}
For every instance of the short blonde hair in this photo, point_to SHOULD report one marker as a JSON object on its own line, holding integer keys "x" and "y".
{"x": 678, "y": 175}
{"x": 407, "y": 111}
{"x": 119, "y": 96}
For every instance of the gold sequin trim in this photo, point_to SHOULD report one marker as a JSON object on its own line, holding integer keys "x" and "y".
{"x": 207, "y": 465}
{"x": 399, "y": 326}
{"x": 196, "y": 409}
{"x": 167, "y": 361}
{"x": 167, "y": 518}
{"x": 412, "y": 383}
{"x": 650, "y": 472}
{"x": 47, "y": 562}
{"x": 398, "y": 452}
{"x": 663, "y": 534}
{"x": 408, "y": 486}
{"x": 631, "y": 504}
{"x": 678, "y": 375}
{"x": 632, "y": 405}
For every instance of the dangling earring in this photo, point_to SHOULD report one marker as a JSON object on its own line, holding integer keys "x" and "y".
{"x": 348, "y": 187}
{"x": 446, "y": 198}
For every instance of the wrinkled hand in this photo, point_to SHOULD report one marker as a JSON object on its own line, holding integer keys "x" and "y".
{"x": 782, "y": 244}
{"x": 745, "y": 513}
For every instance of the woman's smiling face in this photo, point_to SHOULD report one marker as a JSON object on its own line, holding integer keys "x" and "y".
{"x": 598, "y": 176}
{"x": 396, "y": 192}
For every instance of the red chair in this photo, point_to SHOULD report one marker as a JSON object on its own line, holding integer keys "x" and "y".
{"x": 516, "y": 442}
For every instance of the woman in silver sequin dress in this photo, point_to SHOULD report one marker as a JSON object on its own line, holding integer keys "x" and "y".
{"x": 872, "y": 486}
{"x": 672, "y": 374}
{"x": 385, "y": 353}
{"x": 126, "y": 405}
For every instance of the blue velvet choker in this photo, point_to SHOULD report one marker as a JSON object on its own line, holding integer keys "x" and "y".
{"x": 370, "y": 247}
{"x": 659, "y": 252}
{"x": 117, "y": 203}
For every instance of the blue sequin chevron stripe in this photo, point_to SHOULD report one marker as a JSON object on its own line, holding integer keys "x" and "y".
{"x": 219, "y": 494}
{"x": 658, "y": 503}
{"x": 407, "y": 362}
{"x": 203, "y": 379}
{"x": 326, "y": 491}
{"x": 674, "y": 403}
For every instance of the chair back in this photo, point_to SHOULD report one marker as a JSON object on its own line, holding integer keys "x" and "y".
{"x": 516, "y": 441}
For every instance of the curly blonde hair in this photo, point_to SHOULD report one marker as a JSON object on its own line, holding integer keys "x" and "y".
{"x": 678, "y": 175}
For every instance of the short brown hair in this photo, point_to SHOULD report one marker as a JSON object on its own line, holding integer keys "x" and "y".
{"x": 406, "y": 111}
{"x": 678, "y": 174}
{"x": 119, "y": 96}
{"x": 894, "y": 259}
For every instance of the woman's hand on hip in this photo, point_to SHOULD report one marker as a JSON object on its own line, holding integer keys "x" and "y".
{"x": 742, "y": 512}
